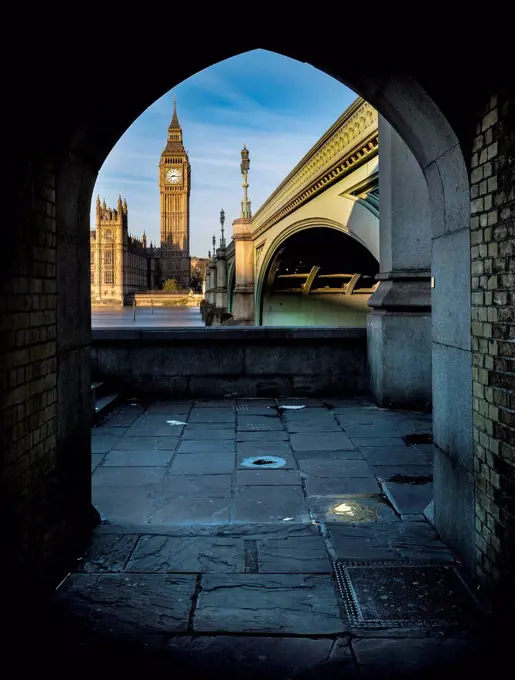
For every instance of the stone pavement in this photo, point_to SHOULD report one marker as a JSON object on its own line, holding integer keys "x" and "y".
{"x": 243, "y": 539}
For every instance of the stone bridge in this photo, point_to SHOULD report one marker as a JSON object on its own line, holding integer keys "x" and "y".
{"x": 310, "y": 253}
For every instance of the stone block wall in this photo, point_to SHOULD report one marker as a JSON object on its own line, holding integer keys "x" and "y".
{"x": 493, "y": 341}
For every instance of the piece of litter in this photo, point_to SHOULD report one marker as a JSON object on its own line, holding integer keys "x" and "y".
{"x": 175, "y": 422}
{"x": 287, "y": 519}
{"x": 292, "y": 408}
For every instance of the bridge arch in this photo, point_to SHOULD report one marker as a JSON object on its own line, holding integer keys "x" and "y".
{"x": 264, "y": 265}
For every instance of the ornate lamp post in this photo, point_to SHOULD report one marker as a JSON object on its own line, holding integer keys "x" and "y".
{"x": 222, "y": 221}
{"x": 244, "y": 167}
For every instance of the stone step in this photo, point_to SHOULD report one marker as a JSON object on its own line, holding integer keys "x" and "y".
{"x": 105, "y": 404}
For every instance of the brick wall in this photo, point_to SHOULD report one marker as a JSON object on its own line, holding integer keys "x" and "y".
{"x": 493, "y": 340}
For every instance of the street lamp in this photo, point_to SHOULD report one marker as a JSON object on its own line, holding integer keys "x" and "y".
{"x": 222, "y": 221}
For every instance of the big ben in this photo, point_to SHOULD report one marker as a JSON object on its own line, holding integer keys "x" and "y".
{"x": 174, "y": 189}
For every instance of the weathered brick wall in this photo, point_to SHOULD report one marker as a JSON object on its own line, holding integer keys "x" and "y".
{"x": 493, "y": 340}
{"x": 41, "y": 495}
{"x": 28, "y": 370}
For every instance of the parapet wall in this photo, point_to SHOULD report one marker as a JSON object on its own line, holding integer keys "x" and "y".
{"x": 223, "y": 362}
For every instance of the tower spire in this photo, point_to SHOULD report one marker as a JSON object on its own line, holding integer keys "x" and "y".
{"x": 175, "y": 119}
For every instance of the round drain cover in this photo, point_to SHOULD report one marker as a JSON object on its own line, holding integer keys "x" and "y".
{"x": 264, "y": 462}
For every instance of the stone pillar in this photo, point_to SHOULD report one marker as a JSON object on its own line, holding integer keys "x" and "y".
{"x": 221, "y": 280}
{"x": 399, "y": 327}
{"x": 211, "y": 288}
{"x": 243, "y": 296}
{"x": 98, "y": 264}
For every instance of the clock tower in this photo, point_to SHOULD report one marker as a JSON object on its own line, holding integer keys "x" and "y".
{"x": 174, "y": 189}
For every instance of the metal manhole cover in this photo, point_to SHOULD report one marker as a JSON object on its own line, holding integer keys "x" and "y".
{"x": 404, "y": 594}
{"x": 268, "y": 462}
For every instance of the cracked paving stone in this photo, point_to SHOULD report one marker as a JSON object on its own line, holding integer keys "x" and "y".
{"x": 147, "y": 444}
{"x": 104, "y": 443}
{"x": 293, "y": 555}
{"x": 158, "y": 603}
{"x": 108, "y": 553}
{"x": 262, "y": 658}
{"x": 195, "y": 486}
{"x": 203, "y": 463}
{"x": 188, "y": 554}
{"x": 389, "y": 541}
{"x": 321, "y": 441}
{"x": 409, "y": 499}
{"x": 270, "y": 504}
{"x": 280, "y": 603}
{"x": 349, "y": 508}
{"x": 190, "y": 510}
{"x": 138, "y": 458}
{"x": 207, "y": 446}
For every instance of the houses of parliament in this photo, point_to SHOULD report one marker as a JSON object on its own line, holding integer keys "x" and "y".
{"x": 122, "y": 264}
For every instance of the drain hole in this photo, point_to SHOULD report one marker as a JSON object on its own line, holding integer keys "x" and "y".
{"x": 268, "y": 462}
{"x": 262, "y": 461}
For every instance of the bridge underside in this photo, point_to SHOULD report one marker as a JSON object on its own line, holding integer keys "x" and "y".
{"x": 319, "y": 276}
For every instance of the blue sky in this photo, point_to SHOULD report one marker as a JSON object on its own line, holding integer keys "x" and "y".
{"x": 277, "y": 106}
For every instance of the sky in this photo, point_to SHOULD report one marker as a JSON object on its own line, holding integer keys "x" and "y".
{"x": 275, "y": 105}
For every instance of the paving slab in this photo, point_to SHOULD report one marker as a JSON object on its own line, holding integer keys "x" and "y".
{"x": 125, "y": 417}
{"x": 215, "y": 403}
{"x": 188, "y": 554}
{"x": 270, "y": 504}
{"x": 336, "y": 468}
{"x": 258, "y": 423}
{"x": 293, "y": 555}
{"x": 308, "y": 402}
{"x": 195, "y": 486}
{"x": 122, "y": 477}
{"x": 277, "y": 477}
{"x": 388, "y": 541}
{"x": 346, "y": 508}
{"x": 245, "y": 449}
{"x": 310, "y": 413}
{"x": 321, "y": 441}
{"x": 157, "y": 603}
{"x": 191, "y": 434}
{"x": 212, "y": 415}
{"x": 328, "y": 486}
{"x": 189, "y": 510}
{"x": 409, "y": 498}
{"x": 378, "y": 441}
{"x": 313, "y": 425}
{"x": 108, "y": 553}
{"x": 146, "y": 444}
{"x": 198, "y": 446}
{"x": 221, "y": 463}
{"x": 266, "y": 603}
{"x": 326, "y": 456}
{"x": 138, "y": 458}
{"x": 128, "y": 505}
{"x": 392, "y": 455}
{"x": 101, "y": 430}
{"x": 96, "y": 459}
{"x": 255, "y": 436}
{"x": 172, "y": 407}
{"x": 155, "y": 426}
{"x": 104, "y": 443}
{"x": 262, "y": 658}
{"x": 411, "y": 471}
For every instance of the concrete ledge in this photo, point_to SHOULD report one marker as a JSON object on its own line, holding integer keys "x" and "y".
{"x": 214, "y": 334}
{"x": 236, "y": 361}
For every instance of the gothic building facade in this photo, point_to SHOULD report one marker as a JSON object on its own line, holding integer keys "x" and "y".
{"x": 120, "y": 264}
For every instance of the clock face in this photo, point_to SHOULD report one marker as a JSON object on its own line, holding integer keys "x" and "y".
{"x": 173, "y": 175}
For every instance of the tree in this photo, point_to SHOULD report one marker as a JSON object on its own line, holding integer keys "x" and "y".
{"x": 198, "y": 269}
{"x": 171, "y": 286}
